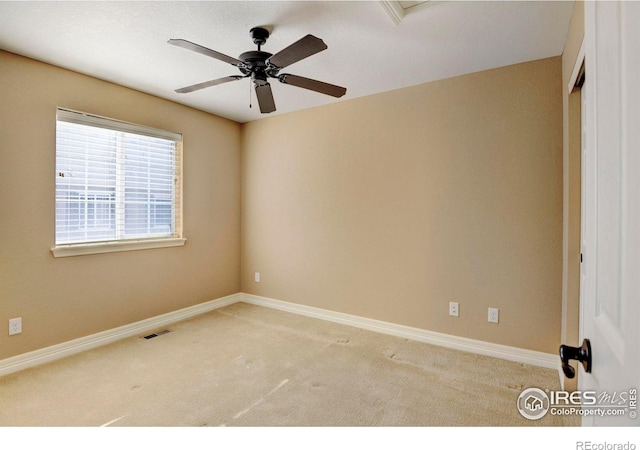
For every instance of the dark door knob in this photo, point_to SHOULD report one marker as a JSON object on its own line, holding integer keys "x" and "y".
{"x": 582, "y": 354}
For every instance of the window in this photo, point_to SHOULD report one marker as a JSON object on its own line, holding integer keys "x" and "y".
{"x": 117, "y": 185}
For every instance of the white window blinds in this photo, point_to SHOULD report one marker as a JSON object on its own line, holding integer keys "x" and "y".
{"x": 115, "y": 181}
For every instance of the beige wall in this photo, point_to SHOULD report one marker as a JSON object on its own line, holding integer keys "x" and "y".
{"x": 387, "y": 207}
{"x": 66, "y": 298}
{"x": 572, "y": 161}
{"x": 390, "y": 206}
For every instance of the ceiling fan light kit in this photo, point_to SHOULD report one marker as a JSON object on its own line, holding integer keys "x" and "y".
{"x": 260, "y": 66}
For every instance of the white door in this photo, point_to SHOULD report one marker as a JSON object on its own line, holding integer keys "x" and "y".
{"x": 610, "y": 272}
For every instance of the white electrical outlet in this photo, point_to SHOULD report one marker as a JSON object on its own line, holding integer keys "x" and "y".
{"x": 256, "y": 277}
{"x": 453, "y": 309}
{"x": 15, "y": 326}
{"x": 493, "y": 315}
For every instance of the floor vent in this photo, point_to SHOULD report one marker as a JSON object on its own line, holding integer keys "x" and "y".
{"x": 156, "y": 334}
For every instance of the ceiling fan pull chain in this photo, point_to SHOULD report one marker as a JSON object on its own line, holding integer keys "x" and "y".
{"x": 250, "y": 96}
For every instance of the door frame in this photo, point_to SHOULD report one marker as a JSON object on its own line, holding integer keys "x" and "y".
{"x": 571, "y": 84}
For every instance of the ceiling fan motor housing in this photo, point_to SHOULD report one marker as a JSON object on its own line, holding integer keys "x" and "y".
{"x": 255, "y": 65}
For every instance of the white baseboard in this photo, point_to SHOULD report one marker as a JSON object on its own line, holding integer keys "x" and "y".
{"x": 58, "y": 351}
{"x": 540, "y": 359}
{"x": 48, "y": 354}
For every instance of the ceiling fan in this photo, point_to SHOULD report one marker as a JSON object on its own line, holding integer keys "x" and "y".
{"x": 261, "y": 65}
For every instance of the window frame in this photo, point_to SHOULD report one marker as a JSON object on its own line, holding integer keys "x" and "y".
{"x": 119, "y": 245}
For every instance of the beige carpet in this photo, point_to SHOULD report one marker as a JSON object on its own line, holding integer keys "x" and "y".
{"x": 244, "y": 365}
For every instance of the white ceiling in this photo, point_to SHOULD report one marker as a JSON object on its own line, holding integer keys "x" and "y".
{"x": 126, "y": 43}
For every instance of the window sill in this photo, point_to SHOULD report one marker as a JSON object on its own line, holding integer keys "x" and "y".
{"x": 62, "y": 251}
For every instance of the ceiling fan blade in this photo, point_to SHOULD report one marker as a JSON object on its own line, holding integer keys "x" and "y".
{"x": 206, "y": 84}
{"x": 205, "y": 51}
{"x": 313, "y": 85}
{"x": 307, "y": 46}
{"x": 265, "y": 98}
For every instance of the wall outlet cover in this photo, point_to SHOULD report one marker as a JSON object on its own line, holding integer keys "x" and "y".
{"x": 494, "y": 314}
{"x": 15, "y": 326}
